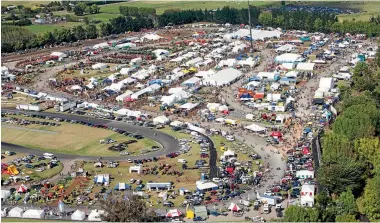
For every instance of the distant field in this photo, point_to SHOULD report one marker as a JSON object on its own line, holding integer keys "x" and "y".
{"x": 161, "y": 6}
{"x": 49, "y": 28}
{"x": 371, "y": 8}
{"x": 31, "y": 4}
{"x": 112, "y": 10}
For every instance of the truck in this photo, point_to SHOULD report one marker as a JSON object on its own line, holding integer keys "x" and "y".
{"x": 64, "y": 106}
{"x": 266, "y": 209}
{"x": 29, "y": 107}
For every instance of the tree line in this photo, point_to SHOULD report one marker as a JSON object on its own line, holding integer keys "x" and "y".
{"x": 350, "y": 172}
{"x": 136, "y": 11}
{"x": 135, "y": 19}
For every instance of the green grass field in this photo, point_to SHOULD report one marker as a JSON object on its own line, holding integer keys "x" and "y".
{"x": 35, "y": 28}
{"x": 112, "y": 10}
{"x": 70, "y": 139}
{"x": 161, "y": 6}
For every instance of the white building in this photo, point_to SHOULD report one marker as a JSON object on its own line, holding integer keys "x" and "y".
{"x": 99, "y": 66}
{"x": 288, "y": 58}
{"x": 305, "y": 174}
{"x": 135, "y": 169}
{"x": 223, "y": 77}
{"x": 307, "y": 195}
{"x": 95, "y": 215}
{"x": 34, "y": 213}
{"x": 326, "y": 84}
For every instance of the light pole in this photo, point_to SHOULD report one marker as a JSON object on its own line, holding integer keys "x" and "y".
{"x": 249, "y": 23}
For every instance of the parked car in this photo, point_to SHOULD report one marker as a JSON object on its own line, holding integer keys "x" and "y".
{"x": 168, "y": 204}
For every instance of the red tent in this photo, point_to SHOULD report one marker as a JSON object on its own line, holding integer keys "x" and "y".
{"x": 305, "y": 151}
{"x": 230, "y": 170}
{"x": 276, "y": 134}
{"x": 173, "y": 213}
{"x": 22, "y": 188}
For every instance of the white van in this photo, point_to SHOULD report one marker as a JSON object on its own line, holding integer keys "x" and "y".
{"x": 48, "y": 155}
{"x": 266, "y": 209}
{"x": 182, "y": 161}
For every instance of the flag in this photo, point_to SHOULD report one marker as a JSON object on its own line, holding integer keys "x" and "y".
{"x": 61, "y": 206}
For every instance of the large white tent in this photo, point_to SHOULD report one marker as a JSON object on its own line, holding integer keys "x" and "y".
{"x": 305, "y": 66}
{"x": 58, "y": 54}
{"x": 256, "y": 34}
{"x": 326, "y": 84}
{"x": 99, "y": 66}
{"x": 288, "y": 58}
{"x": 124, "y": 95}
{"x": 256, "y": 128}
{"x": 33, "y": 213}
{"x": 161, "y": 120}
{"x": 151, "y": 36}
{"x": 292, "y": 74}
{"x": 15, "y": 212}
{"x": 95, "y": 215}
{"x": 5, "y": 194}
{"x": 223, "y": 77}
{"x": 78, "y": 215}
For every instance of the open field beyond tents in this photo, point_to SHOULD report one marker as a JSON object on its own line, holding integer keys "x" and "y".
{"x": 71, "y": 139}
{"x": 110, "y": 11}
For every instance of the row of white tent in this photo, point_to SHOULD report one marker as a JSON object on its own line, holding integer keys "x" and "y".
{"x": 78, "y": 215}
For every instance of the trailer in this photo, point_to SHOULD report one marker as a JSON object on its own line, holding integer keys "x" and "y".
{"x": 29, "y": 107}
{"x": 64, "y": 106}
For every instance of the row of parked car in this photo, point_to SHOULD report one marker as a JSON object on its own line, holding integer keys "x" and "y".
{"x": 20, "y": 121}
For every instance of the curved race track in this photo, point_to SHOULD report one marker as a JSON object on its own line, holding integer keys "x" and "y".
{"x": 169, "y": 143}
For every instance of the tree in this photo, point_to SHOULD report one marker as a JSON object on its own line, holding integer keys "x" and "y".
{"x": 334, "y": 145}
{"x": 368, "y": 149}
{"x": 265, "y": 18}
{"x": 318, "y": 24}
{"x": 354, "y": 126}
{"x": 341, "y": 175}
{"x": 94, "y": 9}
{"x": 363, "y": 77}
{"x": 325, "y": 207}
{"x": 130, "y": 209}
{"x": 91, "y": 32}
{"x": 86, "y": 20}
{"x": 69, "y": 8}
{"x": 346, "y": 204}
{"x": 369, "y": 203}
{"x": 300, "y": 214}
{"x": 78, "y": 10}
{"x": 79, "y": 32}
{"x": 346, "y": 218}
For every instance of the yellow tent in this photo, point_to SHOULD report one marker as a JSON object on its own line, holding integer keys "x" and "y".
{"x": 223, "y": 149}
{"x": 190, "y": 214}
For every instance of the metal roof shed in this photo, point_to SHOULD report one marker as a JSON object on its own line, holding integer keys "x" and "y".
{"x": 200, "y": 211}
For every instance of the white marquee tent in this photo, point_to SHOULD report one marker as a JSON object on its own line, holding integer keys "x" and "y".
{"x": 223, "y": 77}
{"x": 288, "y": 58}
{"x": 161, "y": 120}
{"x": 15, "y": 212}
{"x": 78, "y": 215}
{"x": 256, "y": 128}
{"x": 305, "y": 66}
{"x": 5, "y": 194}
{"x": 95, "y": 215}
{"x": 33, "y": 213}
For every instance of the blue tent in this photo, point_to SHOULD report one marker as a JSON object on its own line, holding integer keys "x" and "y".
{"x": 307, "y": 130}
{"x": 255, "y": 78}
{"x": 107, "y": 81}
{"x": 157, "y": 81}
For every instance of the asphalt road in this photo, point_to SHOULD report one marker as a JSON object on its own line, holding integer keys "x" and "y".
{"x": 169, "y": 143}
